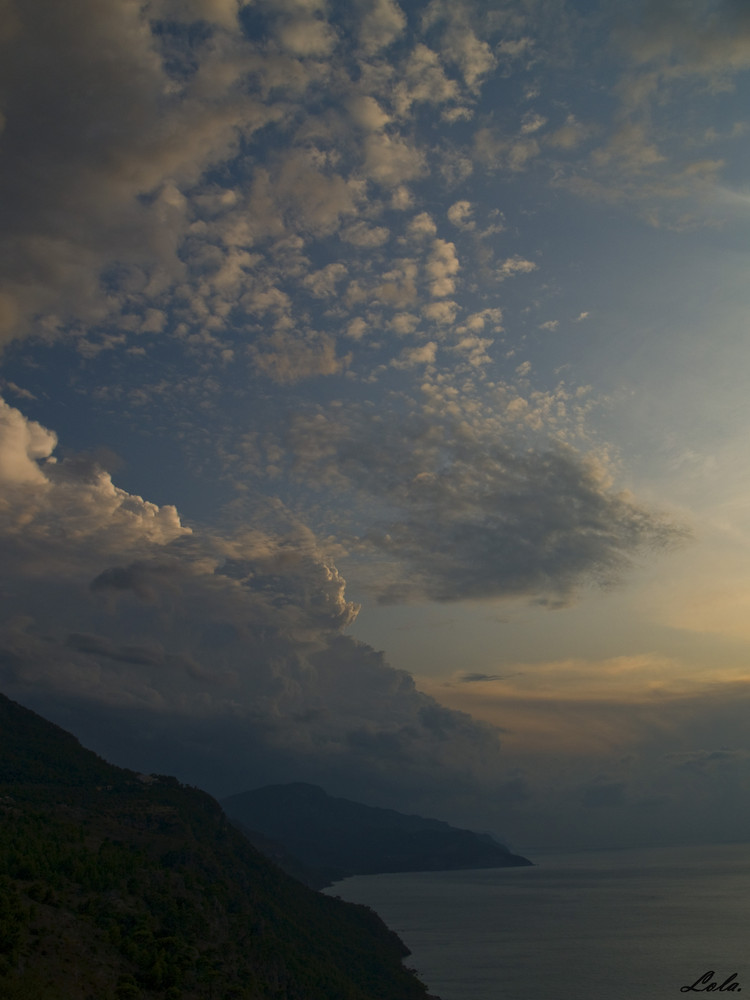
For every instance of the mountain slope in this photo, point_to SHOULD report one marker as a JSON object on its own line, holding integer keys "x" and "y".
{"x": 120, "y": 886}
{"x": 338, "y": 837}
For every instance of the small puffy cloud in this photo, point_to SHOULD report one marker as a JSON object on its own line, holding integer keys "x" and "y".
{"x": 367, "y": 113}
{"x": 390, "y": 160}
{"x": 442, "y": 313}
{"x": 475, "y": 349}
{"x": 316, "y": 198}
{"x": 550, "y": 325}
{"x": 514, "y": 265}
{"x": 478, "y": 321}
{"x": 459, "y": 43}
{"x": 397, "y": 287}
{"x": 322, "y": 284}
{"x": 304, "y": 32}
{"x": 473, "y": 56}
{"x": 286, "y": 356}
{"x": 441, "y": 267}
{"x": 404, "y": 323}
{"x": 421, "y": 226}
{"x": 460, "y": 214}
{"x": 457, "y": 113}
{"x": 402, "y": 199}
{"x": 423, "y": 80}
{"x": 412, "y": 356}
{"x": 532, "y": 122}
{"x": 362, "y": 235}
{"x": 356, "y": 328}
{"x": 382, "y": 24}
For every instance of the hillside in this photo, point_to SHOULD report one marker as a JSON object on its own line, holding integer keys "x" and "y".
{"x": 336, "y": 837}
{"x": 118, "y": 886}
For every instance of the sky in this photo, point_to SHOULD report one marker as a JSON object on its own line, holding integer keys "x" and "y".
{"x": 374, "y": 402}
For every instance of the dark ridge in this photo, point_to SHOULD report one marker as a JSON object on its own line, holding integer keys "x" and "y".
{"x": 117, "y": 886}
{"x": 332, "y": 838}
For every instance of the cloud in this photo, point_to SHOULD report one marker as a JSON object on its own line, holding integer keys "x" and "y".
{"x": 99, "y": 132}
{"x": 411, "y": 356}
{"x": 706, "y": 39}
{"x": 477, "y": 678}
{"x": 220, "y": 657}
{"x": 322, "y": 284}
{"x": 421, "y": 226}
{"x": 362, "y": 235}
{"x": 514, "y": 265}
{"x": 633, "y": 750}
{"x": 381, "y": 25}
{"x": 390, "y": 160}
{"x": 287, "y": 357}
{"x": 460, "y": 214}
{"x": 23, "y": 443}
{"x": 424, "y": 80}
{"x": 441, "y": 268}
{"x": 51, "y": 508}
{"x": 466, "y": 513}
{"x": 367, "y": 113}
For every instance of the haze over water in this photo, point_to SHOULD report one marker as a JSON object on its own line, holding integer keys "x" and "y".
{"x": 600, "y": 925}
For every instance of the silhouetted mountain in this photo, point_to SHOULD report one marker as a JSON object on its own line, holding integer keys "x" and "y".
{"x": 337, "y": 837}
{"x": 115, "y": 885}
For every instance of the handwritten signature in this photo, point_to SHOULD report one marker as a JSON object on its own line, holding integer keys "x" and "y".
{"x": 728, "y": 986}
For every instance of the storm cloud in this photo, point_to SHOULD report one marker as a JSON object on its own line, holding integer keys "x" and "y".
{"x": 222, "y": 658}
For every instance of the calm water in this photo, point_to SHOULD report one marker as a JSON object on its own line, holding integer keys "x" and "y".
{"x": 605, "y": 925}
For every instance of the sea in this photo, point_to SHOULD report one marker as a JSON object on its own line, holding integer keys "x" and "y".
{"x": 636, "y": 924}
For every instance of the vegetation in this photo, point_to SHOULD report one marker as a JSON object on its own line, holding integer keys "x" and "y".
{"x": 119, "y": 886}
{"x": 321, "y": 839}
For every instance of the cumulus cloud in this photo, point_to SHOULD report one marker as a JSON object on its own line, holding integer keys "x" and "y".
{"x": 22, "y": 444}
{"x": 362, "y": 235}
{"x": 424, "y": 80}
{"x": 99, "y": 127}
{"x": 221, "y": 657}
{"x": 411, "y": 356}
{"x": 460, "y": 214}
{"x": 51, "y": 510}
{"x": 441, "y": 267}
{"x": 381, "y": 25}
{"x": 286, "y": 357}
{"x": 515, "y": 265}
{"x": 367, "y": 113}
{"x": 391, "y": 160}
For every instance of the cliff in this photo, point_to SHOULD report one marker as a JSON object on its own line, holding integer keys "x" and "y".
{"x": 118, "y": 886}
